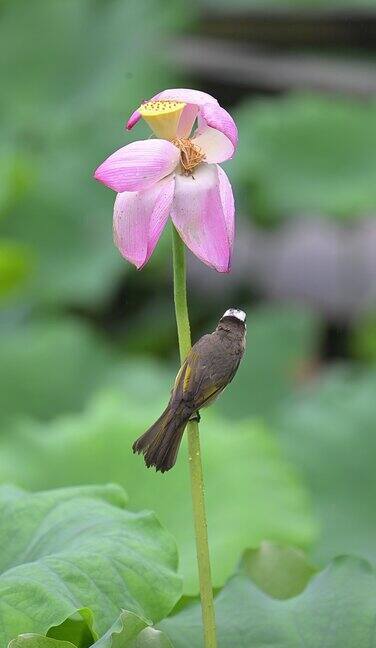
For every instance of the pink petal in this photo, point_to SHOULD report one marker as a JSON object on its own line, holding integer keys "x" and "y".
{"x": 138, "y": 165}
{"x": 198, "y": 214}
{"x": 195, "y": 97}
{"x": 219, "y": 118}
{"x": 134, "y": 118}
{"x": 228, "y": 205}
{"x": 139, "y": 218}
{"x": 216, "y": 146}
{"x": 186, "y": 121}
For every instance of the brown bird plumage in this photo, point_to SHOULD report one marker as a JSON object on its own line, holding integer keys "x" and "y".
{"x": 209, "y": 367}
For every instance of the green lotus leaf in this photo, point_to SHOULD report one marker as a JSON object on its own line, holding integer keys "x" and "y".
{"x": 128, "y": 631}
{"x": 281, "y": 572}
{"x": 336, "y": 610}
{"x": 37, "y": 641}
{"x": 78, "y": 549}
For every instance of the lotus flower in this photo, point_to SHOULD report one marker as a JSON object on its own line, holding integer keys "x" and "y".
{"x": 177, "y": 175}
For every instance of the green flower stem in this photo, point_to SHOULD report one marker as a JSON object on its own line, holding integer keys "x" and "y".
{"x": 195, "y": 465}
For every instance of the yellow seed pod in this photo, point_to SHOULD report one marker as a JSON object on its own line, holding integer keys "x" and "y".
{"x": 163, "y": 116}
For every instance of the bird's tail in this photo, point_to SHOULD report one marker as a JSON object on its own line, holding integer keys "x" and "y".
{"x": 160, "y": 443}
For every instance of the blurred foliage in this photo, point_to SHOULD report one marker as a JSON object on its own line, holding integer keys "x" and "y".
{"x": 50, "y": 367}
{"x": 282, "y": 342}
{"x": 306, "y": 155}
{"x": 95, "y": 447}
{"x": 15, "y": 266}
{"x": 152, "y": 329}
{"x": 329, "y": 434}
{"x": 17, "y": 176}
{"x": 286, "y": 4}
{"x": 66, "y": 93}
{"x": 364, "y": 339}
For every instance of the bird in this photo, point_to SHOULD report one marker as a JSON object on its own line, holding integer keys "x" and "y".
{"x": 209, "y": 367}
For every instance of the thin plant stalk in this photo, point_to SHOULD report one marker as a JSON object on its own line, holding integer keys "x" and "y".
{"x": 194, "y": 453}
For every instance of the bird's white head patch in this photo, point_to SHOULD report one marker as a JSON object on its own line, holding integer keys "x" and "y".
{"x": 234, "y": 312}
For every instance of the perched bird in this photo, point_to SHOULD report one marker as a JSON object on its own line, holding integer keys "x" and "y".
{"x": 209, "y": 367}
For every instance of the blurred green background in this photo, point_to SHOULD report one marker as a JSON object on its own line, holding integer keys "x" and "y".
{"x": 88, "y": 345}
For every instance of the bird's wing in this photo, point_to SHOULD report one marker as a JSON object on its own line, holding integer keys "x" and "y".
{"x": 202, "y": 375}
{"x": 185, "y": 378}
{"x": 214, "y": 385}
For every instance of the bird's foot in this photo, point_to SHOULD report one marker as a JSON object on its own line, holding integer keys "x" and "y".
{"x": 196, "y": 417}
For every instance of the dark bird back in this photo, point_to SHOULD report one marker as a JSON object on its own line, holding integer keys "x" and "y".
{"x": 209, "y": 367}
